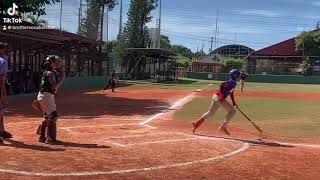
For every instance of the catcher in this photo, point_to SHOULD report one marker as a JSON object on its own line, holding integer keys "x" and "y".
{"x": 45, "y": 101}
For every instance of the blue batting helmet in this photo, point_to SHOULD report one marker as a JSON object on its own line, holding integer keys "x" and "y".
{"x": 234, "y": 74}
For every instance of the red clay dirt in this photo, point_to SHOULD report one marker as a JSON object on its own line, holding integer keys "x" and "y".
{"x": 101, "y": 139}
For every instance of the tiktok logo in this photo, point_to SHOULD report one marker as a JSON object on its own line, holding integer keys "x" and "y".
{"x": 13, "y": 10}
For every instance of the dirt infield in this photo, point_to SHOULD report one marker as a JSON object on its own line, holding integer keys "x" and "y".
{"x": 131, "y": 135}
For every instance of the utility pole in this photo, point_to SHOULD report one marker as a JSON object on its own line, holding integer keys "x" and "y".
{"x": 120, "y": 23}
{"x": 101, "y": 38}
{"x": 215, "y": 36}
{"x": 61, "y": 17}
{"x": 202, "y": 47}
{"x": 80, "y": 16}
{"x": 211, "y": 45}
{"x": 159, "y": 31}
{"x": 218, "y": 35}
{"x": 156, "y": 36}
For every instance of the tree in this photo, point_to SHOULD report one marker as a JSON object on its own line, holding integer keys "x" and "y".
{"x": 184, "y": 51}
{"x": 309, "y": 43}
{"x": 36, "y": 21}
{"x": 36, "y": 7}
{"x": 135, "y": 33}
{"x": 230, "y": 64}
{"x": 135, "y": 30}
{"x": 165, "y": 43}
{"x": 109, "y": 46}
{"x": 318, "y": 25}
{"x": 306, "y": 67}
{"x": 199, "y": 54}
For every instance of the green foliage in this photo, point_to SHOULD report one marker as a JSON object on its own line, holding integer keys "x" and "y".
{"x": 36, "y": 21}
{"x": 183, "y": 61}
{"x": 184, "y": 51}
{"x": 233, "y": 64}
{"x": 109, "y": 46}
{"x": 135, "y": 31}
{"x": 306, "y": 67}
{"x": 309, "y": 43}
{"x": 165, "y": 43}
{"x": 36, "y": 7}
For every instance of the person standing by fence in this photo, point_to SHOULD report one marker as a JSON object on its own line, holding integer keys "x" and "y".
{"x": 243, "y": 79}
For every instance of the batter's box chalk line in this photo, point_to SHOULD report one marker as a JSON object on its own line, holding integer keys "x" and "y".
{"x": 110, "y": 140}
{"x": 243, "y": 148}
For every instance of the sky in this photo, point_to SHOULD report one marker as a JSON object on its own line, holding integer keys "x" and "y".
{"x": 253, "y": 23}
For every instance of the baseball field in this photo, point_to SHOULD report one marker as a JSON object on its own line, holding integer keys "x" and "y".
{"x": 143, "y": 131}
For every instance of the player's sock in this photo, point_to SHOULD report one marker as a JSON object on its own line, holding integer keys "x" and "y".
{"x": 197, "y": 124}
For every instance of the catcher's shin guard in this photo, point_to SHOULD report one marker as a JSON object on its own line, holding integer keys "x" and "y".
{"x": 54, "y": 131}
{"x": 52, "y": 126}
{"x": 42, "y": 131}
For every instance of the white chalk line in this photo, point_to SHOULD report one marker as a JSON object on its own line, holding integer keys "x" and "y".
{"x": 95, "y": 126}
{"x": 138, "y": 135}
{"x": 109, "y": 140}
{"x": 106, "y": 119}
{"x": 162, "y": 142}
{"x": 244, "y": 147}
{"x": 92, "y": 173}
{"x": 150, "y": 142}
{"x": 177, "y": 104}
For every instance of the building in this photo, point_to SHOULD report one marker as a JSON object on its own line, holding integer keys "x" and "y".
{"x": 233, "y": 51}
{"x": 212, "y": 63}
{"x": 80, "y": 55}
{"x": 280, "y": 59}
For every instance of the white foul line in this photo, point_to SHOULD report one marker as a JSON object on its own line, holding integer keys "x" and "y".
{"x": 173, "y": 107}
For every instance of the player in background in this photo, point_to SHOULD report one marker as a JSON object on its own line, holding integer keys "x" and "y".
{"x": 219, "y": 99}
{"x": 112, "y": 81}
{"x": 4, "y": 55}
{"x": 243, "y": 79}
{"x": 45, "y": 101}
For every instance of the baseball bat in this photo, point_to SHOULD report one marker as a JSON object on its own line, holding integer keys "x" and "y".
{"x": 254, "y": 124}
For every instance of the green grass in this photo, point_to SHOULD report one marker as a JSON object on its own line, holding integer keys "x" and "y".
{"x": 285, "y": 117}
{"x": 273, "y": 87}
{"x": 289, "y": 118}
{"x": 194, "y": 84}
{"x": 179, "y": 84}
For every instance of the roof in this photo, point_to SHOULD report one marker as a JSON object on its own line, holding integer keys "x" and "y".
{"x": 284, "y": 48}
{"x": 233, "y": 49}
{"x": 213, "y": 59}
{"x": 46, "y": 35}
